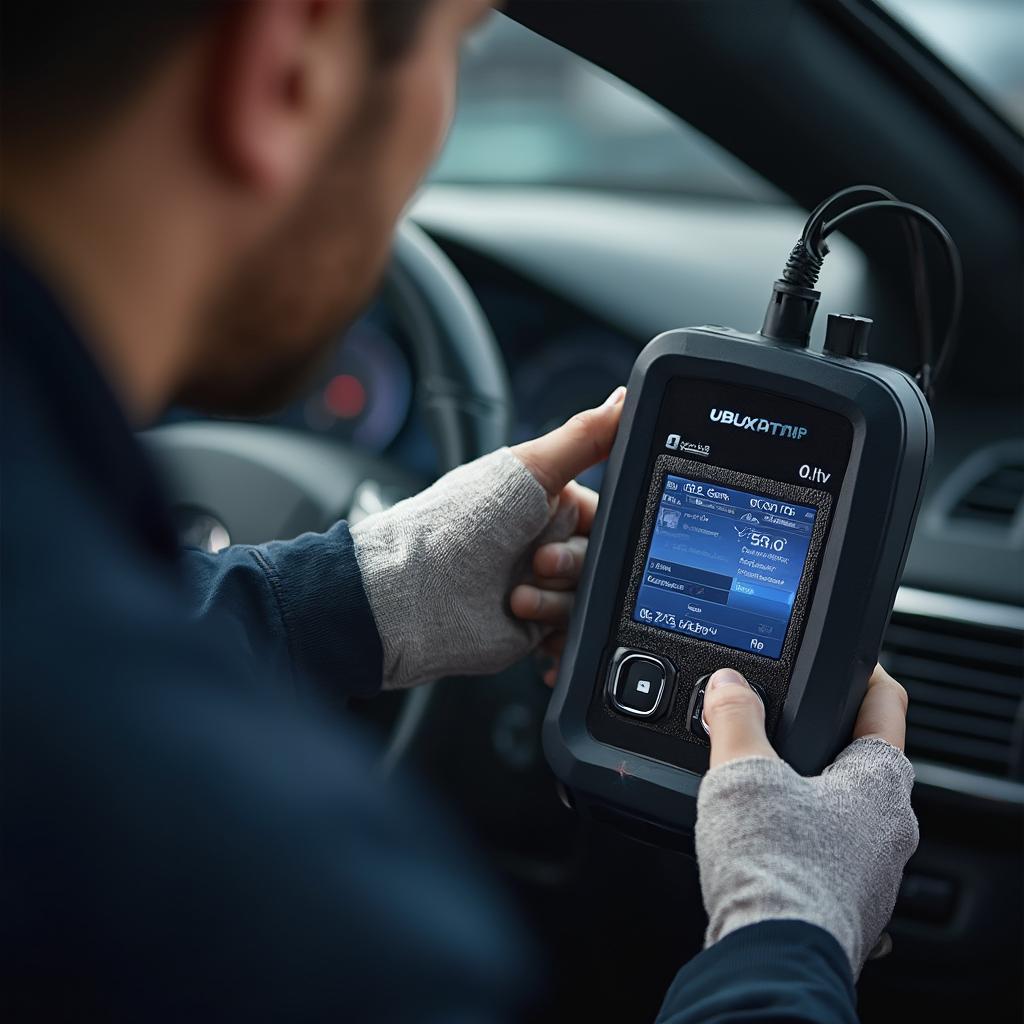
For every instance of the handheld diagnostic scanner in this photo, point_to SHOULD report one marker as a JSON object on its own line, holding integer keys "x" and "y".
{"x": 756, "y": 513}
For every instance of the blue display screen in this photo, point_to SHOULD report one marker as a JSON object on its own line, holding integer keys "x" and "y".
{"x": 724, "y": 565}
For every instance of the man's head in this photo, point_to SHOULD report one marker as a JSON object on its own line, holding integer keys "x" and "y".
{"x": 240, "y": 164}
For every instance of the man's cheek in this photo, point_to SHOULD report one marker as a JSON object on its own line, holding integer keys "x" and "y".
{"x": 445, "y": 107}
{"x": 426, "y": 111}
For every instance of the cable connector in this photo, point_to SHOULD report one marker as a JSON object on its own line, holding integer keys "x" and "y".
{"x": 794, "y": 300}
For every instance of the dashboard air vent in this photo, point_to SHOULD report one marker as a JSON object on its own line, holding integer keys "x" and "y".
{"x": 995, "y": 498}
{"x": 966, "y": 686}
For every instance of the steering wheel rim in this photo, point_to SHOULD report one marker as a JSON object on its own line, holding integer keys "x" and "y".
{"x": 462, "y": 391}
{"x": 463, "y": 388}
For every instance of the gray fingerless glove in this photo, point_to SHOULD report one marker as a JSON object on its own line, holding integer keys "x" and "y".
{"x": 829, "y": 850}
{"x": 438, "y": 569}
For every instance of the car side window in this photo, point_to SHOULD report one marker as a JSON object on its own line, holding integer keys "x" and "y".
{"x": 532, "y": 113}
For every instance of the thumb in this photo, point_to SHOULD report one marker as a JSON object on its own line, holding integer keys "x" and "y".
{"x": 586, "y": 439}
{"x": 735, "y": 719}
{"x": 884, "y": 711}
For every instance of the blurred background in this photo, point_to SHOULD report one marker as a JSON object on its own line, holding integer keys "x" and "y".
{"x": 532, "y": 112}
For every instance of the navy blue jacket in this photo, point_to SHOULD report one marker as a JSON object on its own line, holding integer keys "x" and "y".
{"x": 188, "y": 831}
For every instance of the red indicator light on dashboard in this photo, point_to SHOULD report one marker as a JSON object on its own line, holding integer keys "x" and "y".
{"x": 345, "y": 396}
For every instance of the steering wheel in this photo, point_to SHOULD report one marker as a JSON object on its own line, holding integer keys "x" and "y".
{"x": 256, "y": 482}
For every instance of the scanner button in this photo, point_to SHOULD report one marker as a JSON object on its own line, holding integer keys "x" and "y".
{"x": 696, "y": 717}
{"x": 639, "y": 685}
{"x": 697, "y": 722}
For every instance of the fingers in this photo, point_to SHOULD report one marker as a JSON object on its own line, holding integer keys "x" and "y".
{"x": 584, "y": 500}
{"x": 561, "y": 562}
{"x": 551, "y": 608}
{"x": 585, "y": 439}
{"x": 534, "y": 604}
{"x": 735, "y": 718}
{"x": 883, "y": 712}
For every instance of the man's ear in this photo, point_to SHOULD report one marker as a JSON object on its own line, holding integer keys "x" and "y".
{"x": 287, "y": 75}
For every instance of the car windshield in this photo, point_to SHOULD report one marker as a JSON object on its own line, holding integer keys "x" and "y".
{"x": 531, "y": 112}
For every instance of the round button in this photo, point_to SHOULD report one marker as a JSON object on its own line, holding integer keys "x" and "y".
{"x": 702, "y": 684}
{"x": 639, "y": 685}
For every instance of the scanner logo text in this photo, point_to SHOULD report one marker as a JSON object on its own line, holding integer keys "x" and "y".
{"x": 757, "y": 424}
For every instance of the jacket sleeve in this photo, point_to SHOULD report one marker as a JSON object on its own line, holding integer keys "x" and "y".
{"x": 187, "y": 842}
{"x": 772, "y": 971}
{"x": 298, "y": 607}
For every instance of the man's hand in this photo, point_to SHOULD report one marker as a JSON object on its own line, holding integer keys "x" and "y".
{"x": 735, "y": 716}
{"x": 475, "y": 572}
{"x": 555, "y": 460}
{"x": 829, "y": 850}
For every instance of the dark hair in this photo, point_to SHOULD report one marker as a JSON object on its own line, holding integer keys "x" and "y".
{"x": 65, "y": 64}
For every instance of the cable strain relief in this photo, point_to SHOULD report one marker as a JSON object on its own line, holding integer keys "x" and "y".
{"x": 790, "y": 313}
{"x": 803, "y": 266}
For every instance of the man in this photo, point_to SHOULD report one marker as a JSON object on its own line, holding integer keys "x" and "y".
{"x": 209, "y": 188}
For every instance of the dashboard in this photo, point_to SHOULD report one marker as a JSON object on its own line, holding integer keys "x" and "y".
{"x": 364, "y": 395}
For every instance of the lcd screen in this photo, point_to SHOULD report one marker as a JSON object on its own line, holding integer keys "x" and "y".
{"x": 724, "y": 565}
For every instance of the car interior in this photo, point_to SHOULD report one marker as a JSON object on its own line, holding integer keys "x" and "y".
{"x": 617, "y": 170}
